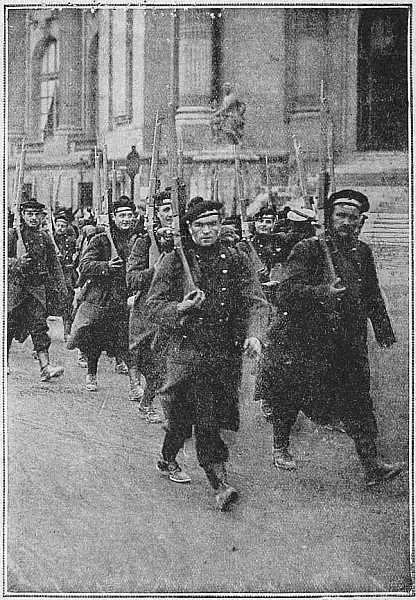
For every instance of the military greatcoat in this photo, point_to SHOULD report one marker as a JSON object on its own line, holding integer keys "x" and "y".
{"x": 101, "y": 321}
{"x": 205, "y": 346}
{"x": 42, "y": 284}
{"x": 316, "y": 351}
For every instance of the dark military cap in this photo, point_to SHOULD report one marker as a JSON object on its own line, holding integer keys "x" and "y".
{"x": 198, "y": 207}
{"x": 350, "y": 197}
{"x": 32, "y": 204}
{"x": 163, "y": 197}
{"x": 123, "y": 203}
{"x": 62, "y": 215}
{"x": 265, "y": 211}
{"x": 232, "y": 220}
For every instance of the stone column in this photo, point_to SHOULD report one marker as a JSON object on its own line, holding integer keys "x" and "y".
{"x": 16, "y": 72}
{"x": 70, "y": 70}
{"x": 195, "y": 76}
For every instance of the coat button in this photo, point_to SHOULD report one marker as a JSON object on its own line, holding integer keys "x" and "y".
{"x": 222, "y": 255}
{"x": 225, "y": 270}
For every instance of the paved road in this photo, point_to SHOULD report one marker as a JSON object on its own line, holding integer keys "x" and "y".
{"x": 89, "y": 513}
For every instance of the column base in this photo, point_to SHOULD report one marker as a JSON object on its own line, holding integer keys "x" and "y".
{"x": 194, "y": 123}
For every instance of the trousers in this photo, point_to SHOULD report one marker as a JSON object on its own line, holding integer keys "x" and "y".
{"x": 30, "y": 316}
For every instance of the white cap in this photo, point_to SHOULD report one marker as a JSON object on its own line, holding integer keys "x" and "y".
{"x": 301, "y": 214}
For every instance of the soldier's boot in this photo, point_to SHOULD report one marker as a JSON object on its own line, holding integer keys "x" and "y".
{"x": 225, "y": 494}
{"x": 47, "y": 371}
{"x": 283, "y": 459}
{"x": 120, "y": 367}
{"x": 67, "y": 329}
{"x": 9, "y": 344}
{"x": 136, "y": 391}
{"x": 376, "y": 471}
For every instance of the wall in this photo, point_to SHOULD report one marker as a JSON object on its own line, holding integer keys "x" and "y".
{"x": 253, "y": 62}
{"x": 156, "y": 70}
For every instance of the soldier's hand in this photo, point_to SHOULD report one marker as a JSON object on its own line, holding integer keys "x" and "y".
{"x": 158, "y": 263}
{"x": 115, "y": 264}
{"x": 24, "y": 261}
{"x": 252, "y": 347}
{"x": 194, "y": 299}
{"x": 335, "y": 289}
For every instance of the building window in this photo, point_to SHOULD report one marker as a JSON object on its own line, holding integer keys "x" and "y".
{"x": 49, "y": 70}
{"x": 307, "y": 29}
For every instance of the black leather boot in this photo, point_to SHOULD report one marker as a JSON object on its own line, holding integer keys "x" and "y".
{"x": 376, "y": 471}
{"x": 48, "y": 372}
{"x": 225, "y": 494}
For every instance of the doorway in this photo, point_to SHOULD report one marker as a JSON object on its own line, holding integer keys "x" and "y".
{"x": 382, "y": 80}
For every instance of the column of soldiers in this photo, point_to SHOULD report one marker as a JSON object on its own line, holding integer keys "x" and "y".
{"x": 189, "y": 346}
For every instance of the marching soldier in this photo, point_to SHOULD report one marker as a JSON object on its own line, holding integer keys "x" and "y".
{"x": 264, "y": 241}
{"x": 101, "y": 321}
{"x": 148, "y": 360}
{"x": 300, "y": 226}
{"x": 317, "y": 358}
{"x": 207, "y": 331}
{"x": 65, "y": 239}
{"x": 36, "y": 287}
{"x": 87, "y": 229}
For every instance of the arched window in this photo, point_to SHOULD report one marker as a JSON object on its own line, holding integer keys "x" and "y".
{"x": 49, "y": 69}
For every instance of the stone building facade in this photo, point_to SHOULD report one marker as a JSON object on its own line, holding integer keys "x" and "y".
{"x": 80, "y": 78}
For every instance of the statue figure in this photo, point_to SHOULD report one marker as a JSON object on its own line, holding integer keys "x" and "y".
{"x": 227, "y": 121}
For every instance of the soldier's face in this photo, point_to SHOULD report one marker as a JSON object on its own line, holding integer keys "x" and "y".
{"x": 32, "y": 218}
{"x": 205, "y": 231}
{"x": 345, "y": 221}
{"x": 61, "y": 227}
{"x": 123, "y": 219}
{"x": 264, "y": 225}
{"x": 165, "y": 215}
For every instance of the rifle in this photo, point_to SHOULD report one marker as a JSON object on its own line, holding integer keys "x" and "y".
{"x": 103, "y": 217}
{"x": 188, "y": 281}
{"x": 17, "y": 197}
{"x": 180, "y": 156}
{"x": 96, "y": 186}
{"x": 51, "y": 220}
{"x": 330, "y": 154}
{"x": 113, "y": 185}
{"x": 150, "y": 206}
{"x": 245, "y": 227}
{"x": 268, "y": 185}
{"x": 323, "y": 177}
{"x": 307, "y": 203}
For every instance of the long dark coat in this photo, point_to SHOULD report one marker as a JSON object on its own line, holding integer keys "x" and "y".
{"x": 104, "y": 304}
{"x": 66, "y": 243}
{"x": 207, "y": 344}
{"x": 49, "y": 289}
{"x": 317, "y": 345}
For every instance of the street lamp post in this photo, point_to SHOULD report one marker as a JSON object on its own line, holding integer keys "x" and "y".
{"x": 132, "y": 168}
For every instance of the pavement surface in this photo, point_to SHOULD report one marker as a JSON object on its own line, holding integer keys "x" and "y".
{"x": 87, "y": 511}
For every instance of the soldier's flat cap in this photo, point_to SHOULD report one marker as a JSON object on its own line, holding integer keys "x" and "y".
{"x": 301, "y": 215}
{"x": 198, "y": 208}
{"x": 233, "y": 220}
{"x": 62, "y": 216}
{"x": 265, "y": 211}
{"x": 163, "y": 197}
{"x": 350, "y": 197}
{"x": 123, "y": 203}
{"x": 32, "y": 204}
